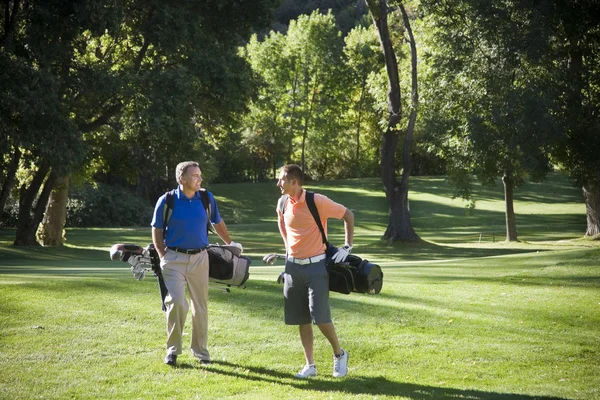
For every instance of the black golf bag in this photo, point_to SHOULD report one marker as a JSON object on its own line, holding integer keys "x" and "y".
{"x": 226, "y": 265}
{"x": 355, "y": 275}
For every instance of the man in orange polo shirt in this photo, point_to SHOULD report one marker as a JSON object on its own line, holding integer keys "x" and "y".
{"x": 306, "y": 288}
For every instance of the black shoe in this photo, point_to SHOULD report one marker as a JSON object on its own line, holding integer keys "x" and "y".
{"x": 171, "y": 359}
{"x": 205, "y": 362}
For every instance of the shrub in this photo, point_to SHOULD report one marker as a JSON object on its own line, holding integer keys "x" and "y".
{"x": 106, "y": 206}
{"x": 10, "y": 214}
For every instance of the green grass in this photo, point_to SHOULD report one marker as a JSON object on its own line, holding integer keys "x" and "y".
{"x": 458, "y": 317}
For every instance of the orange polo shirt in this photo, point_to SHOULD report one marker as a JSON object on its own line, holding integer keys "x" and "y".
{"x": 302, "y": 233}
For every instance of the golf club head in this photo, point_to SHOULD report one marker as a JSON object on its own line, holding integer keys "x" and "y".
{"x": 281, "y": 278}
{"x": 121, "y": 252}
{"x": 270, "y": 259}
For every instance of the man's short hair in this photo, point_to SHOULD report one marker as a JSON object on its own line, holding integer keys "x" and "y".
{"x": 182, "y": 167}
{"x": 293, "y": 171}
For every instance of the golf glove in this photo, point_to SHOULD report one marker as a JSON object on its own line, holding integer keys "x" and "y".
{"x": 342, "y": 253}
{"x": 237, "y": 245}
{"x": 270, "y": 258}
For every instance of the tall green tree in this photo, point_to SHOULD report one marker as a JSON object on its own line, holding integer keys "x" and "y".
{"x": 315, "y": 45}
{"x": 348, "y": 13}
{"x": 399, "y": 222}
{"x": 363, "y": 59}
{"x": 492, "y": 97}
{"x": 573, "y": 62}
{"x": 299, "y": 100}
{"x": 37, "y": 130}
{"x": 157, "y": 75}
{"x": 269, "y": 134}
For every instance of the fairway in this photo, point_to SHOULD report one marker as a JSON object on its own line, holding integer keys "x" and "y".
{"x": 462, "y": 313}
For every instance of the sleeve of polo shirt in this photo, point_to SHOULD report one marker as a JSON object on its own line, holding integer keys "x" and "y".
{"x": 158, "y": 217}
{"x": 215, "y": 217}
{"x": 328, "y": 208}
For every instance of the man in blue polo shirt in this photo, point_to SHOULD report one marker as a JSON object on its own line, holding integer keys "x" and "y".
{"x": 184, "y": 260}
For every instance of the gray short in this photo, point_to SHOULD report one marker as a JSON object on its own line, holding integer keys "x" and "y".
{"x": 306, "y": 294}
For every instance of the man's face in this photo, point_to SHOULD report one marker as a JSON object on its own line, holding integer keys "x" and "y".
{"x": 192, "y": 179}
{"x": 284, "y": 184}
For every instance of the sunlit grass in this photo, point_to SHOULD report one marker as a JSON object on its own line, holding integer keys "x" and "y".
{"x": 459, "y": 316}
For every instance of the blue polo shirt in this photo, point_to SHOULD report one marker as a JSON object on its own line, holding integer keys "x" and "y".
{"x": 187, "y": 225}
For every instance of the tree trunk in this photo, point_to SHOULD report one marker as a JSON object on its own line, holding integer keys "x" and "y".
{"x": 511, "y": 221}
{"x": 28, "y": 221}
{"x": 408, "y": 138}
{"x": 51, "y": 230}
{"x": 310, "y": 98}
{"x": 10, "y": 180}
{"x": 274, "y": 152}
{"x": 591, "y": 182}
{"x": 359, "y": 110}
{"x": 357, "y": 158}
{"x": 10, "y": 22}
{"x": 292, "y": 120}
{"x": 399, "y": 223}
{"x": 591, "y": 195}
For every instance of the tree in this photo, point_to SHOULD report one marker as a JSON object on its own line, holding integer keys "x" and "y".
{"x": 315, "y": 45}
{"x": 363, "y": 59}
{"x": 494, "y": 100}
{"x": 573, "y": 64}
{"x": 37, "y": 131}
{"x": 152, "y": 74}
{"x": 347, "y": 12}
{"x": 299, "y": 100}
{"x": 317, "y": 102}
{"x": 399, "y": 223}
{"x": 269, "y": 121}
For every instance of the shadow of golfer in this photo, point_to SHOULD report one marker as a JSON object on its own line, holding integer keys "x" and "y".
{"x": 373, "y": 386}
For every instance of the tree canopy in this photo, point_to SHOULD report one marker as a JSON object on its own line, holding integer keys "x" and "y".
{"x": 117, "y": 92}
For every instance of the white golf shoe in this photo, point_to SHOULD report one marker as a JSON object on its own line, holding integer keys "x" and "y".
{"x": 340, "y": 365}
{"x": 308, "y": 370}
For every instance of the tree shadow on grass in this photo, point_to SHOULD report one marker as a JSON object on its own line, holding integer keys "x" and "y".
{"x": 423, "y": 250}
{"x": 356, "y": 385}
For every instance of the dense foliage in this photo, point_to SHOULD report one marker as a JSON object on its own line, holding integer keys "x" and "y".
{"x": 118, "y": 91}
{"x": 106, "y": 206}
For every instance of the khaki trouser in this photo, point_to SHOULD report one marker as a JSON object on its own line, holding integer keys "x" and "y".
{"x": 180, "y": 270}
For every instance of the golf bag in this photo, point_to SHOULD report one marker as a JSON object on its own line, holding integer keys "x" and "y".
{"x": 352, "y": 275}
{"x": 355, "y": 275}
{"x": 226, "y": 265}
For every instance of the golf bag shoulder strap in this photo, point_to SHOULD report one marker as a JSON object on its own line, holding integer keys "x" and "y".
{"x": 282, "y": 202}
{"x": 168, "y": 209}
{"x": 206, "y": 204}
{"x": 170, "y": 205}
{"x": 312, "y": 206}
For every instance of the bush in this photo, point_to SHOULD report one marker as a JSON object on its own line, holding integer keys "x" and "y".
{"x": 106, "y": 206}
{"x": 10, "y": 214}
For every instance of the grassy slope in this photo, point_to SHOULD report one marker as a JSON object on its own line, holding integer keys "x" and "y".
{"x": 458, "y": 318}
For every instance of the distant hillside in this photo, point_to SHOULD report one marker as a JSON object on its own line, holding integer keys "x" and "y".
{"x": 348, "y": 13}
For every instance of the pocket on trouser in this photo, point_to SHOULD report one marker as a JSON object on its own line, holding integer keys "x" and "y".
{"x": 319, "y": 301}
{"x": 169, "y": 256}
